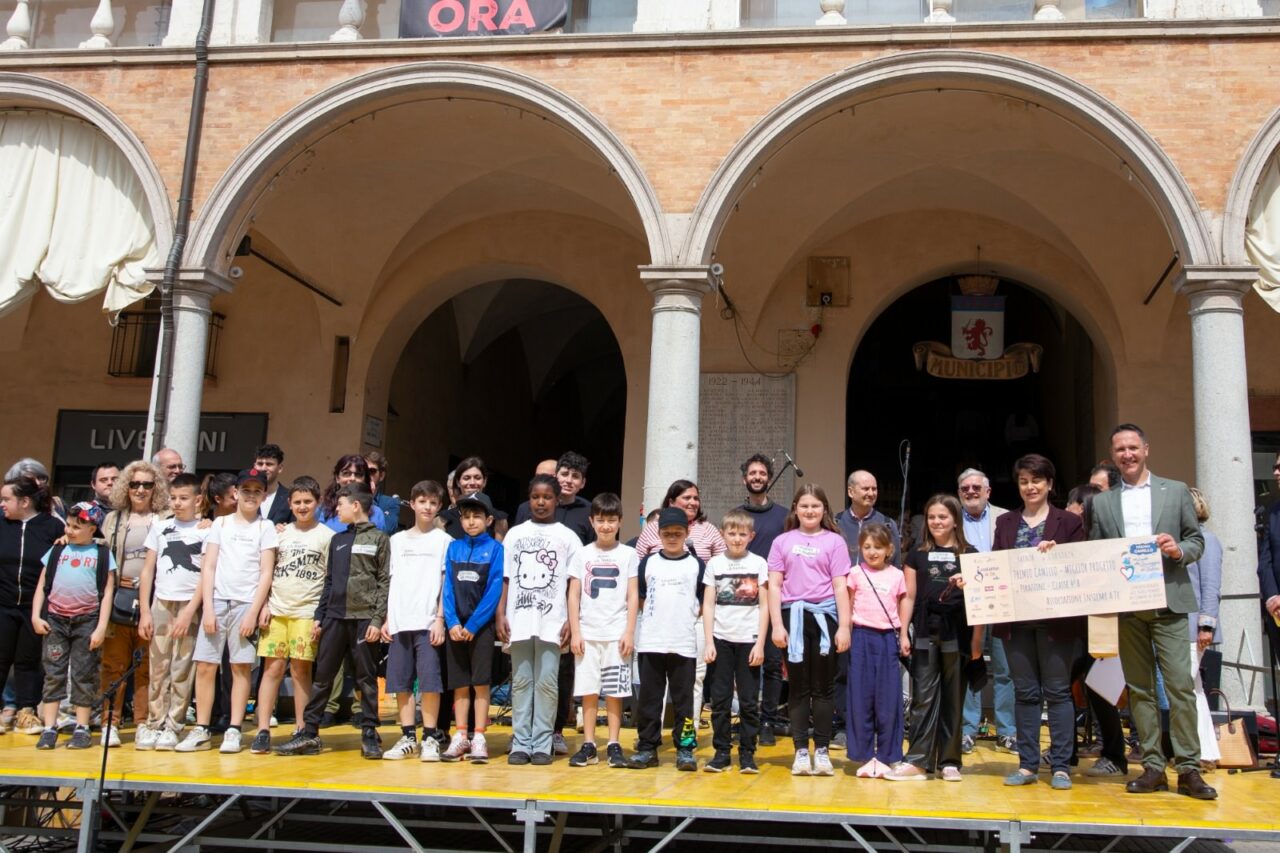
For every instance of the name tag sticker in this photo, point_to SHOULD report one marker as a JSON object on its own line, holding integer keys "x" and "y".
{"x": 942, "y": 557}
{"x": 470, "y": 576}
{"x": 365, "y": 550}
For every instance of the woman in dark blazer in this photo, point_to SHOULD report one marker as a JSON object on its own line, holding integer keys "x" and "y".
{"x": 1040, "y": 652}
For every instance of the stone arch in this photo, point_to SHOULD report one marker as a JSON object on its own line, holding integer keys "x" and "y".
{"x": 223, "y": 216}
{"x": 26, "y": 90}
{"x": 1243, "y": 186}
{"x": 920, "y": 70}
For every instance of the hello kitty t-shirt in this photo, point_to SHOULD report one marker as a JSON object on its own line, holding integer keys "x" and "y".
{"x": 536, "y": 571}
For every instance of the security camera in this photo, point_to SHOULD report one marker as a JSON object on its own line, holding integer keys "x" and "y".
{"x": 236, "y": 272}
{"x": 717, "y": 270}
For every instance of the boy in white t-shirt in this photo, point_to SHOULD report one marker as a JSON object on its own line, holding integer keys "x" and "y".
{"x": 604, "y": 599}
{"x": 235, "y": 578}
{"x": 169, "y": 602}
{"x": 415, "y": 622}
{"x": 740, "y": 624}
{"x": 287, "y": 622}
{"x": 673, "y": 594}
{"x": 533, "y": 617}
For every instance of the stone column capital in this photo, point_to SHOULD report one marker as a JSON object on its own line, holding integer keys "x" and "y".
{"x": 1216, "y": 288}
{"x": 193, "y": 288}
{"x": 660, "y": 279}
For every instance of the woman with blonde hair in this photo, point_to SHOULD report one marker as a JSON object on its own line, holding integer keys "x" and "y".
{"x": 139, "y": 497}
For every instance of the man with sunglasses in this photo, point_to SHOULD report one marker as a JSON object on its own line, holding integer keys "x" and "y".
{"x": 1269, "y": 577}
{"x": 389, "y": 504}
{"x": 979, "y": 518}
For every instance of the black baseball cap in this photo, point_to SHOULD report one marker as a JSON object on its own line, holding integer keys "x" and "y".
{"x": 478, "y": 500}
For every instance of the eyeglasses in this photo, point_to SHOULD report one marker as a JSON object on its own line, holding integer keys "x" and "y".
{"x": 140, "y": 484}
{"x": 373, "y": 470}
{"x": 967, "y": 489}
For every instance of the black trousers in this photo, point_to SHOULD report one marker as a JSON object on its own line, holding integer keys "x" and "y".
{"x": 1041, "y": 670}
{"x": 732, "y": 670}
{"x": 660, "y": 674}
{"x": 811, "y": 684}
{"x": 771, "y": 694}
{"x": 337, "y": 637}
{"x": 20, "y": 649}
{"x": 1106, "y": 715}
{"x": 937, "y": 707}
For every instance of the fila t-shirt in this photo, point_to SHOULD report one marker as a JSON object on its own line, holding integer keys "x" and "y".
{"x": 605, "y": 577}
{"x": 178, "y": 546}
{"x": 301, "y": 565}
{"x": 240, "y": 547}
{"x": 739, "y": 586}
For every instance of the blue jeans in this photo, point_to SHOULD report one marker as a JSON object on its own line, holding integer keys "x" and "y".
{"x": 535, "y": 665}
{"x": 1002, "y": 690}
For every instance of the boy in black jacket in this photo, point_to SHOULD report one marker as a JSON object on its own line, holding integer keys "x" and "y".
{"x": 349, "y": 617}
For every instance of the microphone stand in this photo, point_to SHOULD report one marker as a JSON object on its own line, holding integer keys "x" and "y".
{"x": 108, "y": 700}
{"x": 778, "y": 476}
{"x": 902, "y": 508}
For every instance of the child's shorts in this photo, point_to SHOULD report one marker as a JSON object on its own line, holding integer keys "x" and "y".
{"x": 228, "y": 615}
{"x": 288, "y": 637}
{"x": 68, "y": 661}
{"x": 601, "y": 670}
{"x": 412, "y": 656}
{"x": 470, "y": 663}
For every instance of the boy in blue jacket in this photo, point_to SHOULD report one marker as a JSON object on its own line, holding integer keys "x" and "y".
{"x": 472, "y": 588}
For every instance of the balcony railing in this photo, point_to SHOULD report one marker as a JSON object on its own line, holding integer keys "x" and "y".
{"x": 134, "y": 342}
{"x": 57, "y": 24}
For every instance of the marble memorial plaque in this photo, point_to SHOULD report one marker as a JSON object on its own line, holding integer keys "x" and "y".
{"x": 742, "y": 414}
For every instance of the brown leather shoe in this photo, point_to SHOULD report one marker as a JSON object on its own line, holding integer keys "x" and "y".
{"x": 1150, "y": 781}
{"x": 1190, "y": 784}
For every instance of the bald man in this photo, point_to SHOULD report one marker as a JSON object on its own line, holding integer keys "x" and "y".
{"x": 169, "y": 461}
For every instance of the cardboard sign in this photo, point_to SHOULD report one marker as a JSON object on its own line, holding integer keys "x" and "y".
{"x": 1075, "y": 579}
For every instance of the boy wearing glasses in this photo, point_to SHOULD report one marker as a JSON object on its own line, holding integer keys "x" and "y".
{"x": 235, "y": 578}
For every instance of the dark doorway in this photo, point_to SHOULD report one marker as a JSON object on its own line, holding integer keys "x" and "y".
{"x": 954, "y": 424}
{"x": 512, "y": 371}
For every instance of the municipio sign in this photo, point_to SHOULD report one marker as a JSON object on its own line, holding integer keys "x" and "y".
{"x": 427, "y": 18}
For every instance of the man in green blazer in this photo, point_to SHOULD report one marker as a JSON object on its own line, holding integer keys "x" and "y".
{"x": 1147, "y": 505}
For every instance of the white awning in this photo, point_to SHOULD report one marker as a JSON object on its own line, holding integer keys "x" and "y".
{"x": 73, "y": 214}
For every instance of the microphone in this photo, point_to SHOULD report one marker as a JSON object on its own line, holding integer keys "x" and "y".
{"x": 787, "y": 456}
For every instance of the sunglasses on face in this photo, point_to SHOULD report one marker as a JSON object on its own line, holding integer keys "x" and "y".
{"x": 374, "y": 471}
{"x": 967, "y": 489}
{"x": 139, "y": 484}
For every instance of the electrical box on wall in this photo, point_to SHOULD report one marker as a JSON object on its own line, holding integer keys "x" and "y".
{"x": 827, "y": 282}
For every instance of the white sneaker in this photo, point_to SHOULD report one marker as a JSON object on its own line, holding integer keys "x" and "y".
{"x": 404, "y": 748}
{"x": 430, "y": 749}
{"x": 230, "y": 741}
{"x": 459, "y": 746}
{"x": 111, "y": 737}
{"x": 479, "y": 749}
{"x": 145, "y": 738}
{"x": 166, "y": 741}
{"x": 822, "y": 762}
{"x": 800, "y": 767}
{"x": 197, "y": 739}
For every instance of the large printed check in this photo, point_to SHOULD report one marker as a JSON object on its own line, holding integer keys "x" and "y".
{"x": 1075, "y": 579}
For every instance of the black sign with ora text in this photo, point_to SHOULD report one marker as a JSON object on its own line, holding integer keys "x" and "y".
{"x": 425, "y": 18}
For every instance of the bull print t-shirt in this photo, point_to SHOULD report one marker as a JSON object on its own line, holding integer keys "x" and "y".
{"x": 536, "y": 571}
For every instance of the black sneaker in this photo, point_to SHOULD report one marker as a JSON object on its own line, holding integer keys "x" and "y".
{"x": 300, "y": 744}
{"x": 585, "y": 755}
{"x": 540, "y": 759}
{"x": 614, "y": 753}
{"x": 518, "y": 758}
{"x": 767, "y": 737}
{"x": 48, "y": 739}
{"x": 685, "y": 760}
{"x": 643, "y": 759}
{"x": 370, "y": 744}
{"x": 747, "y": 762}
{"x": 838, "y": 740}
{"x": 719, "y": 763}
{"x": 261, "y": 743}
{"x": 80, "y": 738}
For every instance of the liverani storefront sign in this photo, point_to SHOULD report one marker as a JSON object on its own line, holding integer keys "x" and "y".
{"x": 426, "y": 18}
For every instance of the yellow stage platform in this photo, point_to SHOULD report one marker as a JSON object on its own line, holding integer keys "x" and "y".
{"x": 1246, "y": 807}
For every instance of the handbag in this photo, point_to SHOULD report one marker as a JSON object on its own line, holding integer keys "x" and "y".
{"x": 1233, "y": 741}
{"x": 124, "y": 607}
{"x": 905, "y": 660}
